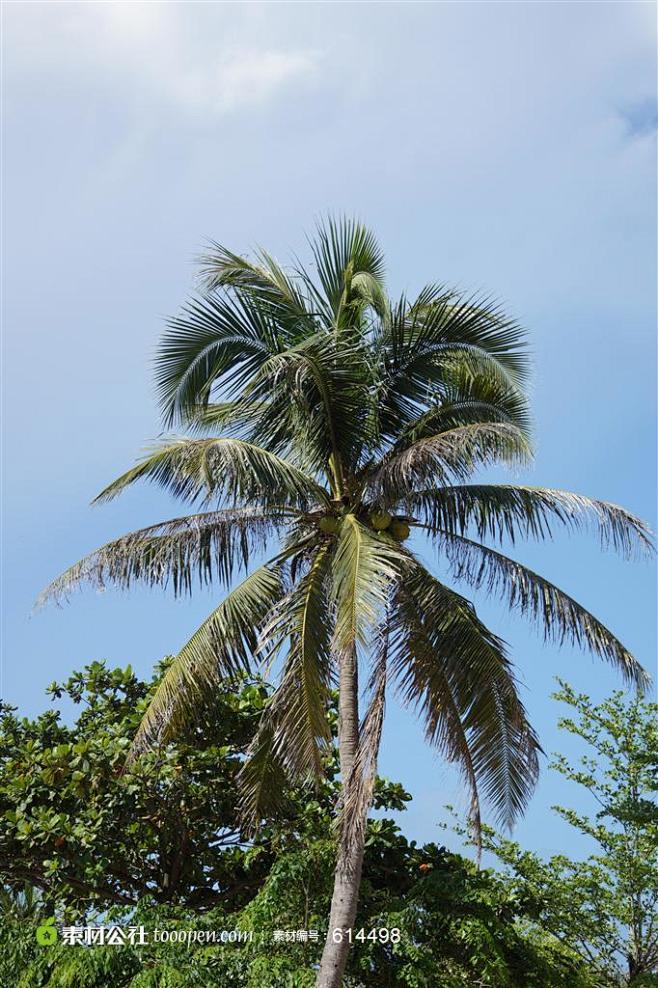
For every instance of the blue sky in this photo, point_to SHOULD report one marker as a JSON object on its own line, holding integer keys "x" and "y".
{"x": 508, "y": 148}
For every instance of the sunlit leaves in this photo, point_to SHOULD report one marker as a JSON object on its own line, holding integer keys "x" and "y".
{"x": 364, "y": 567}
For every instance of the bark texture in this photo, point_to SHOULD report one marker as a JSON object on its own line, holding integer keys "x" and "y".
{"x": 344, "y": 901}
{"x": 347, "y": 877}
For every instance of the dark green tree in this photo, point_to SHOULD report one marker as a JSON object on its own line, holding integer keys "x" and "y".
{"x": 426, "y": 917}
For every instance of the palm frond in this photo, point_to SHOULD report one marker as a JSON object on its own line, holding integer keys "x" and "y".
{"x": 297, "y": 711}
{"x": 451, "y": 667}
{"x": 223, "y": 646}
{"x": 293, "y": 733}
{"x": 424, "y": 684}
{"x": 467, "y": 397}
{"x": 368, "y": 289}
{"x": 441, "y": 315}
{"x": 561, "y": 617}
{"x": 508, "y": 511}
{"x": 317, "y": 400}
{"x": 344, "y": 250}
{"x": 262, "y": 781}
{"x": 232, "y": 418}
{"x": 364, "y": 566}
{"x": 451, "y": 455}
{"x": 225, "y": 470}
{"x": 202, "y": 547}
{"x": 215, "y": 341}
{"x": 414, "y": 398}
{"x": 263, "y": 280}
{"x": 421, "y": 345}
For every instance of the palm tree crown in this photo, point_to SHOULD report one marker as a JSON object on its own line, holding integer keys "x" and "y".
{"x": 324, "y": 423}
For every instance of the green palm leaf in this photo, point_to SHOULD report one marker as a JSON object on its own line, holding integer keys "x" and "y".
{"x": 225, "y": 469}
{"x": 364, "y": 566}
{"x": 224, "y": 645}
{"x": 297, "y": 711}
{"x": 262, "y": 780}
{"x": 262, "y": 280}
{"x": 315, "y": 400}
{"x": 421, "y": 344}
{"x": 440, "y": 315}
{"x": 350, "y": 266}
{"x": 215, "y": 342}
{"x": 468, "y": 396}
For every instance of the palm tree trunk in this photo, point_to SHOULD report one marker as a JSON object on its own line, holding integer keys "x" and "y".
{"x": 347, "y": 876}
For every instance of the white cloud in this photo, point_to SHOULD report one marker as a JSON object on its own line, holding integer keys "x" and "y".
{"x": 251, "y": 77}
{"x": 175, "y": 56}
{"x": 240, "y": 79}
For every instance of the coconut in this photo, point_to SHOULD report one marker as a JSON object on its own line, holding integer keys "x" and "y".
{"x": 399, "y": 529}
{"x": 380, "y": 520}
{"x": 329, "y": 524}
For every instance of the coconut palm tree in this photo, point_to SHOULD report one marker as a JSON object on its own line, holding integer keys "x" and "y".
{"x": 325, "y": 424}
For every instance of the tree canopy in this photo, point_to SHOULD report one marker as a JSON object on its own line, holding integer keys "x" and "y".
{"x": 92, "y": 844}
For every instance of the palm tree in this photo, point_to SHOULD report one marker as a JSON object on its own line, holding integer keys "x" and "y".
{"x": 330, "y": 422}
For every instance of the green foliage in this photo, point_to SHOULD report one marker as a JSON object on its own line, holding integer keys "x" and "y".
{"x": 458, "y": 927}
{"x": 91, "y": 832}
{"x": 605, "y": 908}
{"x": 457, "y": 923}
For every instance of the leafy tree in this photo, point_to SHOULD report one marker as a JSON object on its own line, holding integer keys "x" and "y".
{"x": 604, "y": 908}
{"x": 21, "y": 911}
{"x": 90, "y": 834}
{"x": 458, "y": 927}
{"x": 332, "y": 420}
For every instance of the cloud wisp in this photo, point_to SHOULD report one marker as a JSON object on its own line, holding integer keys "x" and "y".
{"x": 153, "y": 54}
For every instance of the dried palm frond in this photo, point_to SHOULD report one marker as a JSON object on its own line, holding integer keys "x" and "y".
{"x": 440, "y": 459}
{"x": 507, "y": 511}
{"x": 203, "y": 547}
{"x": 223, "y": 469}
{"x": 560, "y": 616}
{"x": 451, "y": 668}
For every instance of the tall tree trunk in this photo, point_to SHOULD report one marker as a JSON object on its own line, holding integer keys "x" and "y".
{"x": 347, "y": 876}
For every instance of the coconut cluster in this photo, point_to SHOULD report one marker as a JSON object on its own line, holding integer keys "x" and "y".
{"x": 381, "y": 521}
